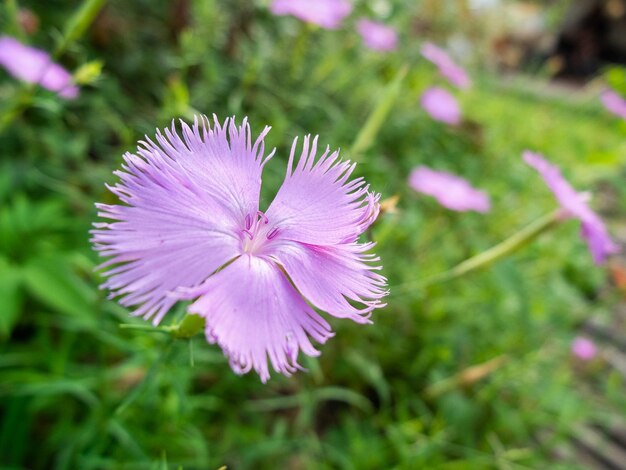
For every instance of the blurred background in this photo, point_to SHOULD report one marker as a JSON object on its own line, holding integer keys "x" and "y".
{"x": 479, "y": 372}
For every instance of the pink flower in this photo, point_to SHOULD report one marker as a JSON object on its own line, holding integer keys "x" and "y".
{"x": 451, "y": 191}
{"x": 447, "y": 67}
{"x": 584, "y": 348}
{"x": 441, "y": 105}
{"x": 574, "y": 204}
{"x": 191, "y": 228}
{"x": 377, "y": 36}
{"x": 328, "y": 14}
{"x": 35, "y": 66}
{"x": 614, "y": 103}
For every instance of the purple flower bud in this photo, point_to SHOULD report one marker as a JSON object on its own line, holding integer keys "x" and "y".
{"x": 584, "y": 348}
{"x": 593, "y": 230}
{"x": 451, "y": 191}
{"x": 377, "y": 36}
{"x": 35, "y": 66}
{"x": 447, "y": 67}
{"x": 328, "y": 14}
{"x": 441, "y": 106}
{"x": 614, "y": 103}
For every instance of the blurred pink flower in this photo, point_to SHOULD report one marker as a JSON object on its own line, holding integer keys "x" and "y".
{"x": 328, "y": 14}
{"x": 451, "y": 191}
{"x": 614, "y": 103}
{"x": 583, "y": 348}
{"x": 377, "y": 36}
{"x": 35, "y": 66}
{"x": 447, "y": 67}
{"x": 574, "y": 204}
{"x": 441, "y": 105}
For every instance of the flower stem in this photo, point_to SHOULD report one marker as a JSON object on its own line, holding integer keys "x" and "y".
{"x": 512, "y": 244}
{"x": 147, "y": 380}
{"x": 301, "y": 44}
{"x": 149, "y": 328}
{"x": 465, "y": 377}
{"x": 376, "y": 119}
{"x": 13, "y": 26}
{"x": 78, "y": 23}
{"x": 190, "y": 326}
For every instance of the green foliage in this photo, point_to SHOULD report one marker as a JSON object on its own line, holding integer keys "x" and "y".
{"x": 79, "y": 391}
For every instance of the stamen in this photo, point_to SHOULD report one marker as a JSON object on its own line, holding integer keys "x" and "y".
{"x": 263, "y": 216}
{"x": 272, "y": 233}
{"x": 253, "y": 222}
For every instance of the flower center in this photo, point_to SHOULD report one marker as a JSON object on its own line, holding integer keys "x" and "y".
{"x": 256, "y": 232}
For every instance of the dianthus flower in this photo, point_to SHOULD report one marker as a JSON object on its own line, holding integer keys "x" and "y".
{"x": 377, "y": 36}
{"x": 328, "y": 14}
{"x": 451, "y": 191}
{"x": 593, "y": 230}
{"x": 441, "y": 105}
{"x": 614, "y": 103}
{"x": 191, "y": 228}
{"x": 35, "y": 66}
{"x": 446, "y": 66}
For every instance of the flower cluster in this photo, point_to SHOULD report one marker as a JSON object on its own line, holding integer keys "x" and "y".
{"x": 455, "y": 193}
{"x": 190, "y": 226}
{"x": 438, "y": 102}
{"x": 330, "y": 14}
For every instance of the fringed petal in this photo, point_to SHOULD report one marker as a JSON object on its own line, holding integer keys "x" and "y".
{"x": 186, "y": 199}
{"x": 330, "y": 277}
{"x": 318, "y": 203}
{"x": 254, "y": 314}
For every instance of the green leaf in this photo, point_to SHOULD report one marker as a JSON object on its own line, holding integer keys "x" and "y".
{"x": 10, "y": 297}
{"x": 371, "y": 372}
{"x": 79, "y": 22}
{"x": 53, "y": 282}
